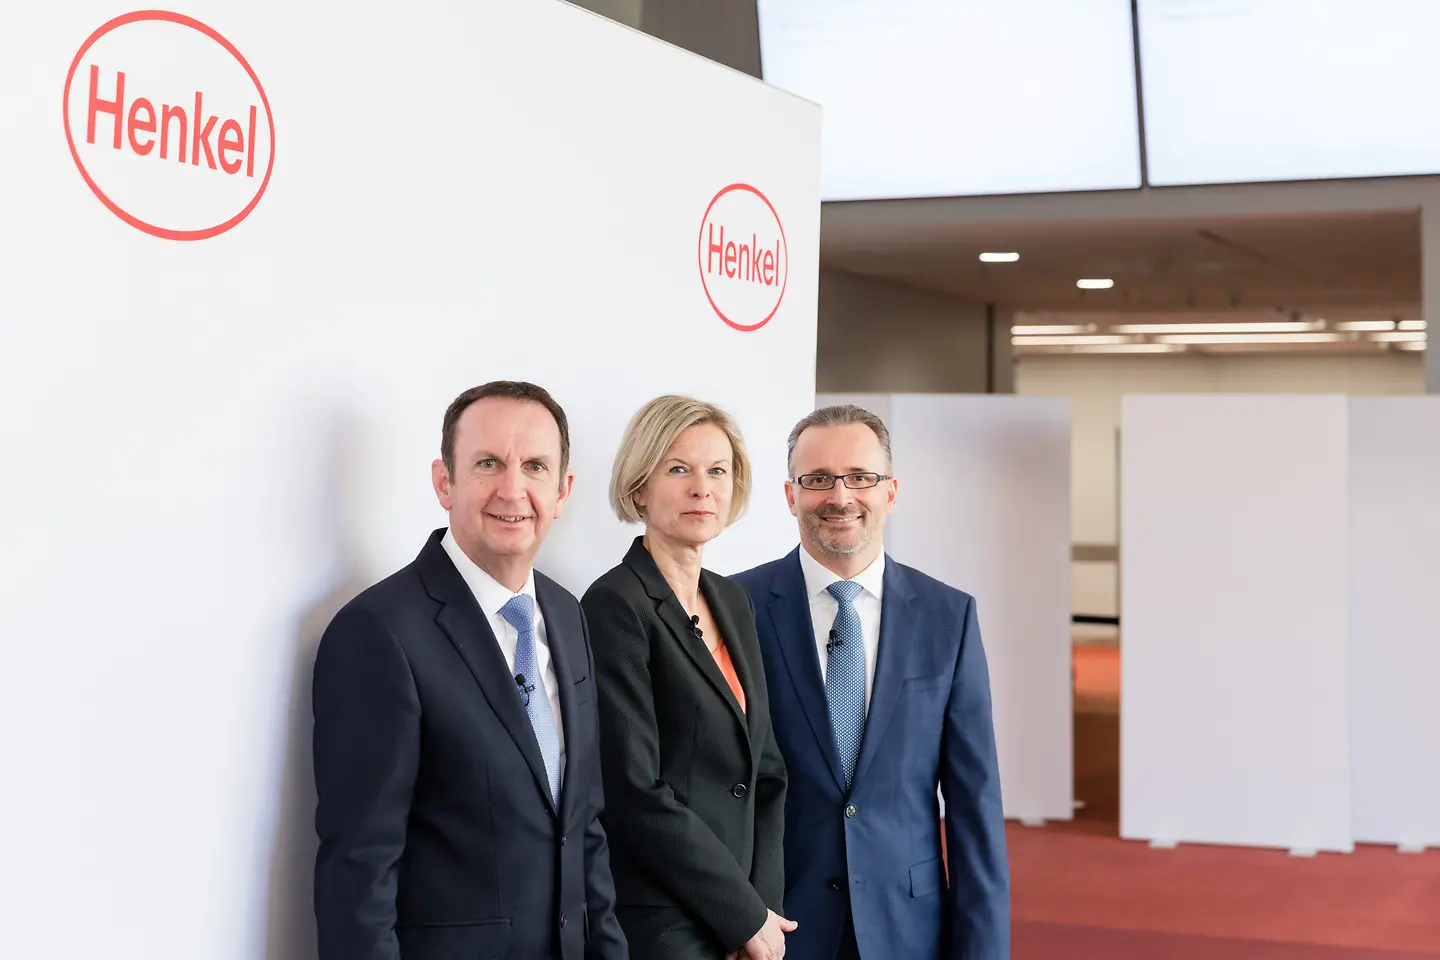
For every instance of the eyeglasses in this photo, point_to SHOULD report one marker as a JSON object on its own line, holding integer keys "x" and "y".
{"x": 826, "y": 481}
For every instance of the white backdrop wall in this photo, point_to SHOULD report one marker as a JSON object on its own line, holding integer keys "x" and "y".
{"x": 1394, "y": 620}
{"x": 210, "y": 444}
{"x": 984, "y": 506}
{"x": 1093, "y": 384}
{"x": 1234, "y": 530}
{"x": 1279, "y": 662}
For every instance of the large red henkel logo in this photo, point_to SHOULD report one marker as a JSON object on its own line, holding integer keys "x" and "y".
{"x": 744, "y": 262}
{"x": 169, "y": 125}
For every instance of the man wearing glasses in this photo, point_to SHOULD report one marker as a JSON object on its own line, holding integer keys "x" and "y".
{"x": 879, "y": 693}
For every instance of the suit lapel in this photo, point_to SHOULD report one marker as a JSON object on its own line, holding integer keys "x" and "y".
{"x": 733, "y": 645}
{"x": 563, "y": 630}
{"x": 464, "y": 623}
{"x": 900, "y": 622}
{"x": 673, "y": 616}
{"x": 789, "y": 613}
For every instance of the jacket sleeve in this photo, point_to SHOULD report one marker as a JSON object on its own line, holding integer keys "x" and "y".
{"x": 767, "y": 873}
{"x": 657, "y": 832}
{"x": 606, "y": 940}
{"x": 979, "y": 894}
{"x": 367, "y": 748}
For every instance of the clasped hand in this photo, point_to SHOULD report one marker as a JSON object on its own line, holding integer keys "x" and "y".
{"x": 769, "y": 943}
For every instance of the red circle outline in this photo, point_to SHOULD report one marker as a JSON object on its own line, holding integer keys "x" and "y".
{"x": 164, "y": 233}
{"x": 700, "y": 243}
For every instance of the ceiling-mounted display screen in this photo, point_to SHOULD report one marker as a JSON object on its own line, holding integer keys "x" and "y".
{"x": 935, "y": 98}
{"x": 1259, "y": 90}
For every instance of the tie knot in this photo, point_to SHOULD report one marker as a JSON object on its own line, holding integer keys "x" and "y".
{"x": 519, "y": 611}
{"x": 845, "y": 591}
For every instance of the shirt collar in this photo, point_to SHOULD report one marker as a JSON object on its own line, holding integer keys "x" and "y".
{"x": 489, "y": 592}
{"x": 818, "y": 577}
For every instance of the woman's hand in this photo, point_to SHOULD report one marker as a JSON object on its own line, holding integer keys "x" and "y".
{"x": 769, "y": 943}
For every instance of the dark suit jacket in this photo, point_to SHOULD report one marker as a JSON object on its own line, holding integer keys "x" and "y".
{"x": 929, "y": 722}
{"x": 695, "y": 789}
{"x": 438, "y": 838}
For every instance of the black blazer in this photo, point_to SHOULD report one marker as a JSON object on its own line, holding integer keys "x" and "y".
{"x": 695, "y": 789}
{"x": 438, "y": 838}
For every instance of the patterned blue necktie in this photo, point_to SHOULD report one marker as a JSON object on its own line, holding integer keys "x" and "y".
{"x": 845, "y": 676}
{"x": 519, "y": 610}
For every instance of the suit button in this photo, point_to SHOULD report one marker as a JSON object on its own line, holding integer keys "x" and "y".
{"x": 563, "y": 919}
{"x": 738, "y": 790}
{"x": 850, "y": 812}
{"x": 834, "y": 883}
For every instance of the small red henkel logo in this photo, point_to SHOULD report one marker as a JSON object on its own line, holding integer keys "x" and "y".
{"x": 169, "y": 125}
{"x": 744, "y": 262}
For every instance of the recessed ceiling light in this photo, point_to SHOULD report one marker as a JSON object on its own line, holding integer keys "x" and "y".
{"x": 1062, "y": 341}
{"x": 1365, "y": 326}
{"x": 1041, "y": 329}
{"x": 1203, "y": 338}
{"x": 999, "y": 257}
{"x": 1113, "y": 348}
{"x": 1279, "y": 326}
{"x": 1094, "y": 284}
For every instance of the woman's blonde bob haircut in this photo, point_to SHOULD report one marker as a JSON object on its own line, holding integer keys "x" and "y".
{"x": 651, "y": 432}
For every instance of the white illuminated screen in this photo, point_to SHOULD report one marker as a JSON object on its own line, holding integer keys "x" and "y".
{"x": 1260, "y": 90}
{"x": 933, "y": 98}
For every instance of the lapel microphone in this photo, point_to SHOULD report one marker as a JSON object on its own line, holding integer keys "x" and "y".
{"x": 695, "y": 625}
{"x": 833, "y": 642}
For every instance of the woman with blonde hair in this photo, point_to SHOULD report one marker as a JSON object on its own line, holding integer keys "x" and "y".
{"x": 694, "y": 780}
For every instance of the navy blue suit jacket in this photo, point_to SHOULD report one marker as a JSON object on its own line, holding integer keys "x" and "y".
{"x": 438, "y": 837}
{"x": 929, "y": 723}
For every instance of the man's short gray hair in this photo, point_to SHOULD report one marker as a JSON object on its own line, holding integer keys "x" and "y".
{"x": 838, "y": 416}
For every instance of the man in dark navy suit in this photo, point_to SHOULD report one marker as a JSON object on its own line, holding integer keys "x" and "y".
{"x": 880, "y": 694}
{"x": 456, "y": 759}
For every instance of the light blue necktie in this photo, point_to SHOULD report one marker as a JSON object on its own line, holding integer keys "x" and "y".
{"x": 519, "y": 610}
{"x": 845, "y": 676}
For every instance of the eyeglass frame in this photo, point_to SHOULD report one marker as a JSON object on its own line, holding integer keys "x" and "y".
{"x": 842, "y": 477}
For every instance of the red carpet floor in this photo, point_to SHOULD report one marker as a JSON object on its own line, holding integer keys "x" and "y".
{"x": 1081, "y": 893}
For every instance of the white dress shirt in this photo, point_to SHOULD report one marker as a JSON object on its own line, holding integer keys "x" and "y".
{"x": 823, "y": 608}
{"x": 492, "y": 596}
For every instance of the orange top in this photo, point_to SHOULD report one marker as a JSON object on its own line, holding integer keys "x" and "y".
{"x": 727, "y": 667}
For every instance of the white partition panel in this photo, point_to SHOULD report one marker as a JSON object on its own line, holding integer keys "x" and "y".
{"x": 1395, "y": 620}
{"x": 984, "y": 505}
{"x": 224, "y": 358}
{"x": 1235, "y": 620}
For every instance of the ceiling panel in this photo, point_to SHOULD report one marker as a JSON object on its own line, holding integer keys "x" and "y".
{"x": 1250, "y": 262}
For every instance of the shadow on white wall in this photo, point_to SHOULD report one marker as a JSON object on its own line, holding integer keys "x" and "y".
{"x": 290, "y": 926}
